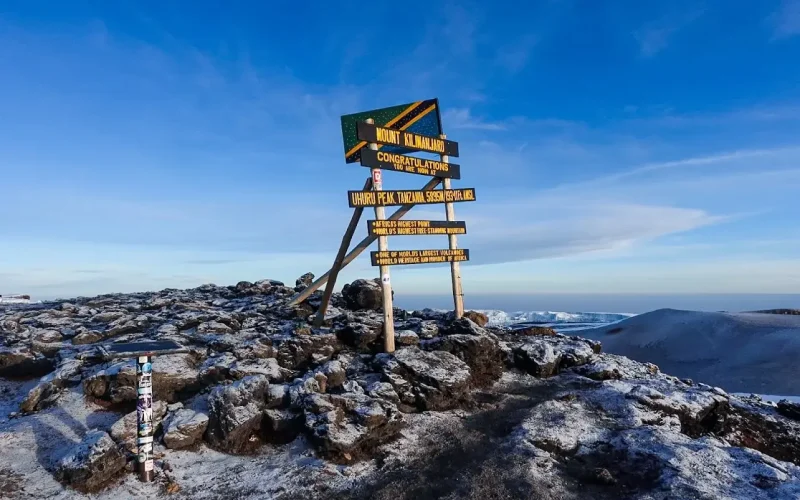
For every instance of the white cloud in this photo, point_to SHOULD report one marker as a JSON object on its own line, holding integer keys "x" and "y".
{"x": 461, "y": 118}
{"x": 514, "y": 56}
{"x": 525, "y": 231}
{"x": 655, "y": 36}
{"x": 786, "y": 20}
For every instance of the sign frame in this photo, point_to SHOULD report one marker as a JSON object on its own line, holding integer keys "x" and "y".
{"x": 403, "y": 139}
{"x": 395, "y": 256}
{"x": 394, "y": 197}
{"x": 423, "y": 116}
{"x": 394, "y": 228}
{"x": 371, "y": 158}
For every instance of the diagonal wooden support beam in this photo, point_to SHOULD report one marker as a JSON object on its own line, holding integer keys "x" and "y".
{"x": 365, "y": 243}
{"x": 337, "y": 262}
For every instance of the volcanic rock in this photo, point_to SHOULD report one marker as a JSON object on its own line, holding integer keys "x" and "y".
{"x": 92, "y": 463}
{"x": 363, "y": 294}
{"x": 235, "y": 413}
{"x": 476, "y": 317}
{"x": 349, "y": 426}
{"x": 481, "y": 353}
{"x": 184, "y": 427}
{"x": 20, "y": 362}
{"x": 438, "y": 380}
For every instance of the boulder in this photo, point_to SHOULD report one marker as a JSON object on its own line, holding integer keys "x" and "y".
{"x": 277, "y": 396}
{"x": 437, "y": 380}
{"x": 87, "y": 338}
{"x": 545, "y": 356}
{"x": 268, "y": 367}
{"x": 789, "y": 409}
{"x": 534, "y": 330}
{"x": 124, "y": 430}
{"x": 538, "y": 359}
{"x": 405, "y": 338}
{"x": 92, "y": 463}
{"x": 304, "y": 282}
{"x": 299, "y": 352}
{"x": 46, "y": 392}
{"x": 334, "y": 373}
{"x": 463, "y": 326}
{"x": 758, "y": 427}
{"x": 348, "y": 427}
{"x": 281, "y": 426}
{"x": 476, "y": 317}
{"x": 363, "y": 294}
{"x": 174, "y": 377}
{"x": 235, "y": 413}
{"x": 361, "y": 332}
{"x": 46, "y": 336}
{"x": 20, "y": 362}
{"x": 184, "y": 428}
{"x": 481, "y": 353}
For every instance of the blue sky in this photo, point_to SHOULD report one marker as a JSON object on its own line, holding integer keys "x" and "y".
{"x": 615, "y": 147}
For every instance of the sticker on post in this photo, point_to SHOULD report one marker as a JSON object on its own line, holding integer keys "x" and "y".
{"x": 385, "y": 278}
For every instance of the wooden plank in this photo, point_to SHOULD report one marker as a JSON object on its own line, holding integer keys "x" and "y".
{"x": 452, "y": 240}
{"x": 403, "y": 139}
{"x": 337, "y": 262}
{"x": 390, "y": 197}
{"x": 430, "y": 256}
{"x": 383, "y": 246}
{"x": 363, "y": 245}
{"x": 416, "y": 227}
{"x": 409, "y": 164}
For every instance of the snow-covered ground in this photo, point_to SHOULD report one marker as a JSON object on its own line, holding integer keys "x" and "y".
{"x": 740, "y": 352}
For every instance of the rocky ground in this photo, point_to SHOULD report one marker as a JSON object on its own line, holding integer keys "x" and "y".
{"x": 266, "y": 406}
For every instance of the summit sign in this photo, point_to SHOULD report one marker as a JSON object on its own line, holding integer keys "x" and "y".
{"x": 383, "y": 140}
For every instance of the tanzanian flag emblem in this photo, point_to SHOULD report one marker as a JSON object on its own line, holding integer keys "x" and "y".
{"x": 421, "y": 117}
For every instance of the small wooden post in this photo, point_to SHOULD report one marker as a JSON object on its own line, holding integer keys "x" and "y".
{"x": 455, "y": 267}
{"x": 358, "y": 249}
{"x": 337, "y": 262}
{"x": 383, "y": 246}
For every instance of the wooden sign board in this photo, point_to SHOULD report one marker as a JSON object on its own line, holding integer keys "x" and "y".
{"x": 408, "y": 197}
{"x": 421, "y": 117}
{"x": 403, "y": 139}
{"x": 404, "y": 257}
{"x": 415, "y": 227}
{"x": 409, "y": 164}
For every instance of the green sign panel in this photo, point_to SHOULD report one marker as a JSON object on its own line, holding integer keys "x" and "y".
{"x": 421, "y": 117}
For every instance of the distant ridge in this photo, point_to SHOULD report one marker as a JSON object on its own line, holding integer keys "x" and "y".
{"x": 751, "y": 352}
{"x": 791, "y": 312}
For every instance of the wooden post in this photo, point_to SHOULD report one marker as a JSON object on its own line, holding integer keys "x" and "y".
{"x": 363, "y": 245}
{"x": 337, "y": 262}
{"x": 455, "y": 267}
{"x": 383, "y": 246}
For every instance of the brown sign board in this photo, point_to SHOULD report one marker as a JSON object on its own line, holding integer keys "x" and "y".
{"x": 405, "y": 257}
{"x": 410, "y": 164}
{"x": 403, "y": 139}
{"x": 408, "y": 197}
{"x": 402, "y": 227}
